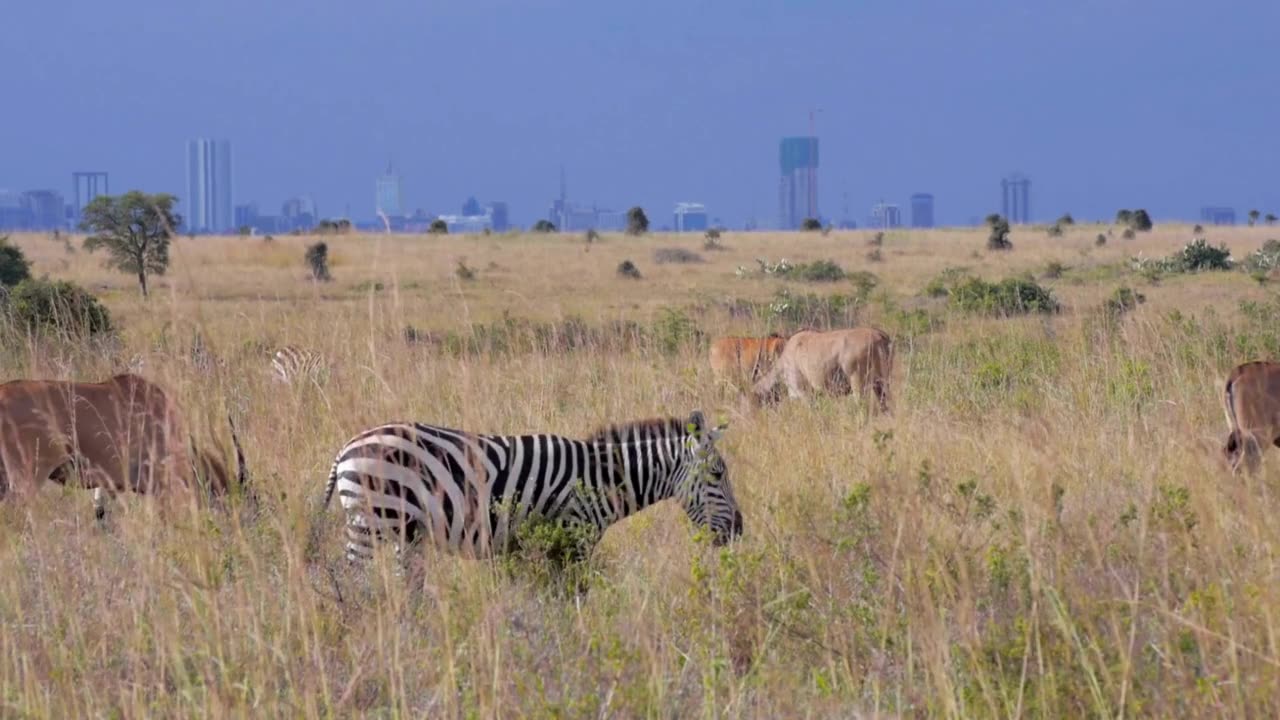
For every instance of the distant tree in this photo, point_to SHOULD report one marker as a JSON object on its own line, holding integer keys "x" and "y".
{"x": 14, "y": 267}
{"x": 135, "y": 229}
{"x": 438, "y": 227}
{"x": 471, "y": 207}
{"x": 637, "y": 221}
{"x": 811, "y": 224}
{"x": 1100, "y": 240}
{"x": 1140, "y": 221}
{"x": 1270, "y": 219}
{"x": 544, "y": 226}
{"x": 1055, "y": 230}
{"x": 998, "y": 238}
{"x": 1065, "y": 220}
{"x": 317, "y": 258}
{"x": 340, "y": 226}
{"x": 246, "y": 230}
{"x": 1253, "y": 217}
{"x": 1124, "y": 217}
{"x": 1197, "y": 230}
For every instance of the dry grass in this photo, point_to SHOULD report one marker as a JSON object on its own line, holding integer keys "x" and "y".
{"x": 1041, "y": 528}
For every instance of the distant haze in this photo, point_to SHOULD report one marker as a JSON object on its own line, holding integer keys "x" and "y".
{"x": 1167, "y": 105}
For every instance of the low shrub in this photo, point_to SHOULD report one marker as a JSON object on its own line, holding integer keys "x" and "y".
{"x": 681, "y": 256}
{"x": 816, "y": 271}
{"x": 1264, "y": 259}
{"x": 14, "y": 267}
{"x": 1011, "y": 296}
{"x": 1122, "y": 301}
{"x": 628, "y": 269}
{"x": 57, "y": 307}
{"x": 1196, "y": 256}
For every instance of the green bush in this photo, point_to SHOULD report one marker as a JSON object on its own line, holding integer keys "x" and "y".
{"x": 1011, "y": 296}
{"x": 1122, "y": 301}
{"x": 998, "y": 238}
{"x": 57, "y": 307}
{"x": 809, "y": 310}
{"x": 14, "y": 267}
{"x": 1100, "y": 240}
{"x": 674, "y": 329}
{"x": 818, "y": 271}
{"x": 544, "y": 226}
{"x": 1196, "y": 256}
{"x": 942, "y": 285}
{"x": 438, "y": 227}
{"x": 1264, "y": 259}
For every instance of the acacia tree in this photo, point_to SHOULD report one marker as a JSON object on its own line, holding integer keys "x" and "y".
{"x": 637, "y": 221}
{"x": 135, "y": 229}
{"x": 1253, "y": 217}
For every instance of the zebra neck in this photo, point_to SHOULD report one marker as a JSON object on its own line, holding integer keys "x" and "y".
{"x": 628, "y": 476}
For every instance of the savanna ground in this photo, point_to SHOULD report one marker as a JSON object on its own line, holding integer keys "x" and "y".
{"x": 1041, "y": 528}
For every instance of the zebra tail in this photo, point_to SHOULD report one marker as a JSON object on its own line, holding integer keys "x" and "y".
{"x": 333, "y": 483}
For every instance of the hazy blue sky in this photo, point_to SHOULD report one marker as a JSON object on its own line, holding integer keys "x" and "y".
{"x": 1167, "y": 104}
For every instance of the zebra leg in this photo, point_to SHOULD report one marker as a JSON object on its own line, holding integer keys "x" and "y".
{"x": 359, "y": 538}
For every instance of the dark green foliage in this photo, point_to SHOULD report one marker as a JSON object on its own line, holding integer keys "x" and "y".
{"x": 340, "y": 226}
{"x": 1197, "y": 230}
{"x": 14, "y": 267}
{"x": 438, "y": 227}
{"x": 1011, "y": 296}
{"x": 674, "y": 329}
{"x": 1065, "y": 220}
{"x": 711, "y": 240}
{"x": 544, "y": 226}
{"x": 637, "y": 221}
{"x": 1136, "y": 220}
{"x": 317, "y": 258}
{"x": 680, "y": 256}
{"x": 134, "y": 229}
{"x": 554, "y": 555}
{"x": 998, "y": 238}
{"x": 1253, "y": 217}
{"x": 811, "y": 225}
{"x": 817, "y": 311}
{"x": 1270, "y": 218}
{"x": 628, "y": 269}
{"x": 1100, "y": 240}
{"x": 942, "y": 285}
{"x": 1199, "y": 255}
{"x": 817, "y": 271}
{"x": 1128, "y": 234}
{"x": 1122, "y": 301}
{"x": 57, "y": 307}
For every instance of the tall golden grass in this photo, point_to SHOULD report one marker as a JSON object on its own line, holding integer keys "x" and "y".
{"x": 1041, "y": 528}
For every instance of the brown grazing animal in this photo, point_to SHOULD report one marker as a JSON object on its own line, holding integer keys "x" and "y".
{"x": 837, "y": 362}
{"x": 745, "y": 358}
{"x": 1253, "y": 413}
{"x": 121, "y": 434}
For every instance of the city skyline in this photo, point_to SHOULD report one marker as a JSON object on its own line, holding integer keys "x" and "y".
{"x": 699, "y": 120}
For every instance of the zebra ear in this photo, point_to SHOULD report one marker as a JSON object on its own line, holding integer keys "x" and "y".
{"x": 697, "y": 422}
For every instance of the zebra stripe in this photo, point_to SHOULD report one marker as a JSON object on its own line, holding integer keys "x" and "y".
{"x": 469, "y": 493}
{"x": 291, "y": 362}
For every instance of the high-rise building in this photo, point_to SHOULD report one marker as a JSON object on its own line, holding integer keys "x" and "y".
{"x": 1015, "y": 192}
{"x": 885, "y": 216}
{"x": 14, "y": 214}
{"x": 46, "y": 209}
{"x": 497, "y": 210}
{"x": 798, "y": 187}
{"x": 1217, "y": 215}
{"x": 299, "y": 212}
{"x": 209, "y": 192}
{"x": 85, "y": 187}
{"x": 691, "y": 217}
{"x": 389, "y": 198}
{"x": 922, "y": 210}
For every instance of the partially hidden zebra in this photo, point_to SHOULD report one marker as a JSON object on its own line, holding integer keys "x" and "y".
{"x": 468, "y": 493}
{"x": 292, "y": 363}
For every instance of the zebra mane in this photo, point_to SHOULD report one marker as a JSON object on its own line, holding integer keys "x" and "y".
{"x": 620, "y": 431}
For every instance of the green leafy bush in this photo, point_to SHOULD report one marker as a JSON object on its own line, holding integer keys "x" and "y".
{"x": 1196, "y": 256}
{"x": 1263, "y": 259}
{"x": 57, "y": 307}
{"x": 1011, "y": 296}
{"x": 14, "y": 267}
{"x": 1122, "y": 301}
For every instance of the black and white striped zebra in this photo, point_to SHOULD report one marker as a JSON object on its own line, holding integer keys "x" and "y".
{"x": 291, "y": 363}
{"x": 469, "y": 493}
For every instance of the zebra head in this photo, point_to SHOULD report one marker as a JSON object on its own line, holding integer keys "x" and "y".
{"x": 702, "y": 482}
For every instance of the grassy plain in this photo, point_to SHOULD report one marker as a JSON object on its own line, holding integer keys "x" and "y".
{"x": 1041, "y": 528}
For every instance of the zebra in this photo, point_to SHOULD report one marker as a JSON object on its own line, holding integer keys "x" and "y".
{"x": 292, "y": 362}
{"x": 469, "y": 493}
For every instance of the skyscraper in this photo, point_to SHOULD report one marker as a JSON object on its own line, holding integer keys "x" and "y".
{"x": 1015, "y": 193}
{"x": 922, "y": 210}
{"x": 208, "y": 200}
{"x": 884, "y": 216}
{"x": 85, "y": 187}
{"x": 388, "y": 200}
{"x": 691, "y": 217}
{"x": 798, "y": 188}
